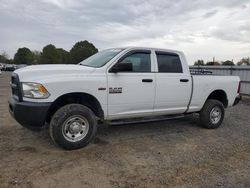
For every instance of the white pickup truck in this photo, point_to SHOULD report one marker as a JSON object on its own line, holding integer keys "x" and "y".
{"x": 116, "y": 84}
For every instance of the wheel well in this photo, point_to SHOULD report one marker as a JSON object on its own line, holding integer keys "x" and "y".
{"x": 219, "y": 95}
{"x": 79, "y": 98}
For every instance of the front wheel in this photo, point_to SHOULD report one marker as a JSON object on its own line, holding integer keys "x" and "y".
{"x": 73, "y": 126}
{"x": 212, "y": 114}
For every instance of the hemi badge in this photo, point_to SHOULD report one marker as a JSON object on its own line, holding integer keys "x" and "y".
{"x": 101, "y": 88}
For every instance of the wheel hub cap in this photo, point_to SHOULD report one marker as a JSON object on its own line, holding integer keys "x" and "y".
{"x": 75, "y": 128}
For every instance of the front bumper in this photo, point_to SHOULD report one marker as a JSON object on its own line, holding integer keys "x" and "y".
{"x": 237, "y": 100}
{"x": 29, "y": 114}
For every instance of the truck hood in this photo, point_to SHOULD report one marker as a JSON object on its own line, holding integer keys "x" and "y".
{"x": 37, "y": 73}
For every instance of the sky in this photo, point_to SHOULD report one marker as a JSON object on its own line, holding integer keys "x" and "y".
{"x": 202, "y": 29}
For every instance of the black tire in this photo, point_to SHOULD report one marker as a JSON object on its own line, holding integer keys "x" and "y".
{"x": 205, "y": 114}
{"x": 62, "y": 116}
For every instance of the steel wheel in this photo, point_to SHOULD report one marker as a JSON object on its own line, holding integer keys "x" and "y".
{"x": 215, "y": 115}
{"x": 75, "y": 128}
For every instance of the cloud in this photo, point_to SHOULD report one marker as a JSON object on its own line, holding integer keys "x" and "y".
{"x": 210, "y": 14}
{"x": 188, "y": 25}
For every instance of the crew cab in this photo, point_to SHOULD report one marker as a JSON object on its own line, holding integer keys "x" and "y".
{"x": 116, "y": 84}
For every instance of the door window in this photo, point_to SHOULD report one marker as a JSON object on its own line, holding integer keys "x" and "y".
{"x": 140, "y": 62}
{"x": 169, "y": 63}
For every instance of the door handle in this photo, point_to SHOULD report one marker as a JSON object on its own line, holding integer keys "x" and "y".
{"x": 147, "y": 80}
{"x": 184, "y": 80}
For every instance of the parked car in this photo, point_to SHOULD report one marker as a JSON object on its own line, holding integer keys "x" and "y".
{"x": 1, "y": 66}
{"x": 9, "y": 67}
{"x": 113, "y": 85}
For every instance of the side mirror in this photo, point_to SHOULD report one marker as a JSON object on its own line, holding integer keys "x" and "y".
{"x": 122, "y": 67}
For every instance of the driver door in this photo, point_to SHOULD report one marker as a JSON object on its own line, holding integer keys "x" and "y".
{"x": 131, "y": 93}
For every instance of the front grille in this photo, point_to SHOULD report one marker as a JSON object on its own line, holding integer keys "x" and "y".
{"x": 15, "y": 87}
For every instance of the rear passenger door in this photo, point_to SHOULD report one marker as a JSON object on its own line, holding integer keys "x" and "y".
{"x": 173, "y": 85}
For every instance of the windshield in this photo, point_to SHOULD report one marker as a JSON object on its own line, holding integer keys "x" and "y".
{"x": 101, "y": 58}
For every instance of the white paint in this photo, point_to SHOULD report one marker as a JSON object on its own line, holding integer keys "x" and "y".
{"x": 165, "y": 95}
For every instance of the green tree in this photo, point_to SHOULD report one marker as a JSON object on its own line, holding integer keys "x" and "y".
{"x": 50, "y": 55}
{"x": 4, "y": 57}
{"x": 213, "y": 63}
{"x": 199, "y": 62}
{"x": 23, "y": 56}
{"x": 228, "y": 62}
{"x": 36, "y": 56}
{"x": 64, "y": 56}
{"x": 10, "y": 61}
{"x": 82, "y": 50}
{"x": 244, "y": 61}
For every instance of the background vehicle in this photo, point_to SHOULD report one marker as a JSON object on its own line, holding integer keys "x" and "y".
{"x": 1, "y": 66}
{"x": 9, "y": 67}
{"x": 116, "y": 84}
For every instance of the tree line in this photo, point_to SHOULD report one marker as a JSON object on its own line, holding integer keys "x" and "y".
{"x": 243, "y": 61}
{"x": 51, "y": 55}
{"x": 80, "y": 51}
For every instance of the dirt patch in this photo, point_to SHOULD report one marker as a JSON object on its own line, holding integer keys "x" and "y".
{"x": 175, "y": 153}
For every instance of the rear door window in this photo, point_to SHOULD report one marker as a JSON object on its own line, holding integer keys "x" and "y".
{"x": 168, "y": 62}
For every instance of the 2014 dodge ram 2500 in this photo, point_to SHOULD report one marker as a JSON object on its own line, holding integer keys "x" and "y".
{"x": 116, "y": 84}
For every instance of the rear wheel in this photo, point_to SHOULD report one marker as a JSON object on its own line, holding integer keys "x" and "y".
{"x": 73, "y": 126}
{"x": 212, "y": 114}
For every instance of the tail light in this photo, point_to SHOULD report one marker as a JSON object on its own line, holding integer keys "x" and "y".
{"x": 238, "y": 90}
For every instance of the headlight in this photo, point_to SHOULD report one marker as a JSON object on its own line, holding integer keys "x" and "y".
{"x": 35, "y": 90}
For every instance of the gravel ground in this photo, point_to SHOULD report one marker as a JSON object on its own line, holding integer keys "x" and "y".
{"x": 175, "y": 153}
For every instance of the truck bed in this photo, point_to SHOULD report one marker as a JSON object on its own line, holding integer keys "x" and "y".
{"x": 207, "y": 83}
